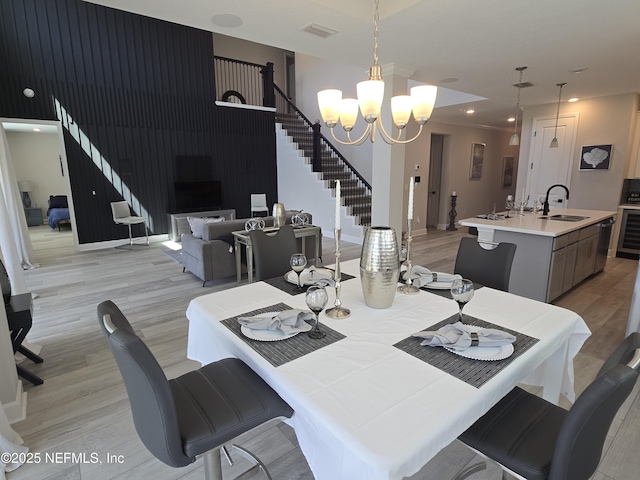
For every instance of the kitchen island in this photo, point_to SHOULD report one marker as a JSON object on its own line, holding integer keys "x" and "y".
{"x": 554, "y": 252}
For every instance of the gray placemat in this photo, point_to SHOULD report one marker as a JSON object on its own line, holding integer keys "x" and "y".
{"x": 291, "y": 289}
{"x": 473, "y": 372}
{"x": 446, "y": 293}
{"x": 283, "y": 351}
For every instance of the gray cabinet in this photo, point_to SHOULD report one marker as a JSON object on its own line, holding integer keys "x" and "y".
{"x": 34, "y": 216}
{"x": 586, "y": 255}
{"x": 563, "y": 262}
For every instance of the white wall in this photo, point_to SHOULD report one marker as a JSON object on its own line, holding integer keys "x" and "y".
{"x": 238, "y": 49}
{"x": 603, "y": 120}
{"x": 36, "y": 158}
{"x": 474, "y": 196}
{"x": 299, "y": 188}
{"x": 315, "y": 74}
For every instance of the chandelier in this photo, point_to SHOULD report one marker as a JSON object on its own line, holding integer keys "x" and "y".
{"x": 370, "y": 93}
{"x": 515, "y": 139}
{"x": 554, "y": 142}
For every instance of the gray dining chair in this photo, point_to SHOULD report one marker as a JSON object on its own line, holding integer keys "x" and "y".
{"x": 19, "y": 309}
{"x": 195, "y": 413}
{"x": 259, "y": 204}
{"x": 538, "y": 440}
{"x": 272, "y": 251}
{"x": 491, "y": 268}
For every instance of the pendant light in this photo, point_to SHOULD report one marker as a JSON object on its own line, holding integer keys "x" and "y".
{"x": 554, "y": 142}
{"x": 515, "y": 139}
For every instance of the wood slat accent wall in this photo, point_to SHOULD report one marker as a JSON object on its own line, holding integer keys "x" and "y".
{"x": 140, "y": 92}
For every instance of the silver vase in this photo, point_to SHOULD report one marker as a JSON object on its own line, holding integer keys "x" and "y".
{"x": 379, "y": 266}
{"x": 279, "y": 217}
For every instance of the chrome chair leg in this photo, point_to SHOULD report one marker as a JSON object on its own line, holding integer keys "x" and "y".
{"x": 213, "y": 465}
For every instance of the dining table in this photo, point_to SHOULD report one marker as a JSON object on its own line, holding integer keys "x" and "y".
{"x": 369, "y": 401}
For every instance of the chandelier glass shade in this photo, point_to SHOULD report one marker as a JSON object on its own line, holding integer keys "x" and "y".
{"x": 554, "y": 142}
{"x": 370, "y": 95}
{"x": 515, "y": 139}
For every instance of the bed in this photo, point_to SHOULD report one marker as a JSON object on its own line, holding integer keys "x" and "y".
{"x": 58, "y": 212}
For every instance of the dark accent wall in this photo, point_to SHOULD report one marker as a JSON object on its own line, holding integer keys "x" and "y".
{"x": 140, "y": 93}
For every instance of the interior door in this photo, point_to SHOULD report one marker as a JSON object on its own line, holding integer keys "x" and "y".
{"x": 435, "y": 177}
{"x": 550, "y": 166}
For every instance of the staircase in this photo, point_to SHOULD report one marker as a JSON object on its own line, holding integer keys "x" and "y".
{"x": 354, "y": 190}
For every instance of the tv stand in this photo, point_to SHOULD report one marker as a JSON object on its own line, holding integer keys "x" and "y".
{"x": 179, "y": 224}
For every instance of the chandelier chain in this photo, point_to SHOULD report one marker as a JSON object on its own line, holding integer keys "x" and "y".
{"x": 376, "y": 18}
{"x": 518, "y": 101}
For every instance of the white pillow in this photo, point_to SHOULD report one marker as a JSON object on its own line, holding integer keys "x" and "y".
{"x": 197, "y": 224}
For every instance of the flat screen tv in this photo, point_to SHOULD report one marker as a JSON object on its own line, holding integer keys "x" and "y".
{"x": 198, "y": 196}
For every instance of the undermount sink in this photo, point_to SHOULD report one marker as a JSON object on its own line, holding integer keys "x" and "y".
{"x": 566, "y": 218}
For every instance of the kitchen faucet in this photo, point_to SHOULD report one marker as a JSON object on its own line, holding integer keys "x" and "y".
{"x": 545, "y": 206}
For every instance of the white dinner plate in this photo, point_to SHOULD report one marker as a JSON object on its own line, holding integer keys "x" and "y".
{"x": 270, "y": 335}
{"x": 309, "y": 276}
{"x": 485, "y": 353}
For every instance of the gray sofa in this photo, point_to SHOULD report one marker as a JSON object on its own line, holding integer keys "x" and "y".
{"x": 213, "y": 256}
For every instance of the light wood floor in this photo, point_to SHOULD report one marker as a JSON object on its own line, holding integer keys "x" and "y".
{"x": 82, "y": 407}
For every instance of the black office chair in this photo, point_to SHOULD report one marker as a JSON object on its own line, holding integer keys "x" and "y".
{"x": 272, "y": 251}
{"x": 19, "y": 310}
{"x": 541, "y": 441}
{"x": 193, "y": 414}
{"x": 491, "y": 268}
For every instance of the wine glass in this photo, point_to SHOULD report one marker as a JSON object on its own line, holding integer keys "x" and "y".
{"x": 298, "y": 262}
{"x": 462, "y": 292}
{"x": 316, "y": 299}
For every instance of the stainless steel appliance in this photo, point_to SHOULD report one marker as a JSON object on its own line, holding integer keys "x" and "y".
{"x": 606, "y": 226}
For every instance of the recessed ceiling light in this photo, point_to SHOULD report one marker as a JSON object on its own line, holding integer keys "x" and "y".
{"x": 578, "y": 69}
{"x": 448, "y": 80}
{"x": 573, "y": 99}
{"x": 469, "y": 111}
{"x": 36, "y": 129}
{"x": 511, "y": 119}
{"x": 226, "y": 20}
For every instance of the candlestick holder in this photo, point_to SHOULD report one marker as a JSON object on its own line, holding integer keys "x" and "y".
{"x": 408, "y": 288}
{"x": 452, "y": 214}
{"x": 338, "y": 311}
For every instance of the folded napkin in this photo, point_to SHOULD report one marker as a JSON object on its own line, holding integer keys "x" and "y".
{"x": 459, "y": 336}
{"x": 422, "y": 276}
{"x": 287, "y": 321}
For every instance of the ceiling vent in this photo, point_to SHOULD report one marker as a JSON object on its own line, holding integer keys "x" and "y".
{"x": 319, "y": 30}
{"x": 523, "y": 85}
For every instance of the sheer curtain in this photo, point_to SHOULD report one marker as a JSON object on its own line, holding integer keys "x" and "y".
{"x": 15, "y": 244}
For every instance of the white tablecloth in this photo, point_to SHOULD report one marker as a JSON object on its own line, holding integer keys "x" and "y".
{"x": 363, "y": 408}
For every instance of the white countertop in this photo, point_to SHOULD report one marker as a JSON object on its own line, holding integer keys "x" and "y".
{"x": 539, "y": 225}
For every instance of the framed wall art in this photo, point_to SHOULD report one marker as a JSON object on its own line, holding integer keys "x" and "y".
{"x": 477, "y": 160}
{"x": 508, "y": 164}
{"x": 595, "y": 157}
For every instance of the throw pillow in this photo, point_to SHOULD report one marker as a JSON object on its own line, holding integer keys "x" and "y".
{"x": 197, "y": 224}
{"x": 58, "y": 201}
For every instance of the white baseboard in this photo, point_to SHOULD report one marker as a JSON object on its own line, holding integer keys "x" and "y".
{"x": 16, "y": 410}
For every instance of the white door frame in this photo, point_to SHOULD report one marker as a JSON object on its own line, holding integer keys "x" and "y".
{"x": 63, "y": 160}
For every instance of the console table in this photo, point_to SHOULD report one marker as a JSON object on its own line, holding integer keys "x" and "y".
{"x": 179, "y": 224}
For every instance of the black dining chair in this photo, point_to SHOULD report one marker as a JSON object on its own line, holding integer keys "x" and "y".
{"x": 196, "y": 413}
{"x": 19, "y": 310}
{"x": 491, "y": 268}
{"x": 538, "y": 440}
{"x": 272, "y": 251}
